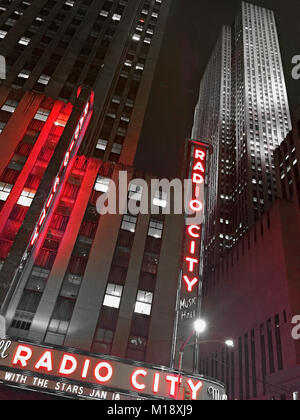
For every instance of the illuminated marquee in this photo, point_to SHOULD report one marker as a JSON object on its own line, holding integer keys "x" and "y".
{"x": 70, "y": 154}
{"x": 55, "y": 370}
{"x": 191, "y": 264}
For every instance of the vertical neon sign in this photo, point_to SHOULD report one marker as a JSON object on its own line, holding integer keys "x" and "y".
{"x": 71, "y": 153}
{"x": 193, "y": 234}
{"x": 190, "y": 281}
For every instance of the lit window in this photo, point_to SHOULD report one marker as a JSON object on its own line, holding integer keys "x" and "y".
{"x": 102, "y": 184}
{"x": 3, "y": 34}
{"x": 117, "y": 148}
{"x": 135, "y": 192}
{"x": 5, "y": 190}
{"x": 129, "y": 223}
{"x": 116, "y": 17}
{"x": 24, "y": 74}
{"x": 44, "y": 79}
{"x": 160, "y": 199}
{"x": 2, "y": 126}
{"x": 24, "y": 41}
{"x": 26, "y": 197}
{"x": 42, "y": 115}
{"x": 143, "y": 303}
{"x": 10, "y": 106}
{"x": 156, "y": 229}
{"x": 102, "y": 144}
{"x": 113, "y": 296}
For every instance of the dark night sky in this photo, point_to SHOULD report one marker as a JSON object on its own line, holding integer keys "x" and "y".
{"x": 192, "y": 31}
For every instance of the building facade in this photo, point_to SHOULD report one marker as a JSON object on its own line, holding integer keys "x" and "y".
{"x": 243, "y": 111}
{"x": 105, "y": 284}
{"x": 253, "y": 296}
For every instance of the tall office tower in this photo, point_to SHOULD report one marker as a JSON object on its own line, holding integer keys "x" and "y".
{"x": 261, "y": 112}
{"x": 246, "y": 66}
{"x": 213, "y": 123}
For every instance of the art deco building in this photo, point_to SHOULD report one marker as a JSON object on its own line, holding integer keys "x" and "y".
{"x": 105, "y": 284}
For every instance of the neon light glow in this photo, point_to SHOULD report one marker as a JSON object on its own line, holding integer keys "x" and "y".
{"x": 69, "y": 156}
{"x": 57, "y": 365}
{"x": 134, "y": 379}
{"x": 191, "y": 265}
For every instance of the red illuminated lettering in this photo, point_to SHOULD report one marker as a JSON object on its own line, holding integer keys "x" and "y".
{"x": 190, "y": 283}
{"x": 191, "y": 232}
{"x": 134, "y": 382}
{"x": 192, "y": 262}
{"x": 108, "y": 374}
{"x": 156, "y": 383}
{"x": 68, "y": 365}
{"x": 196, "y": 205}
{"x": 85, "y": 369}
{"x": 199, "y": 167}
{"x": 174, "y": 382}
{"x": 43, "y": 216}
{"x": 67, "y": 159}
{"x": 45, "y": 362}
{"x": 22, "y": 355}
{"x": 35, "y": 236}
{"x": 200, "y": 154}
{"x": 195, "y": 388}
{"x": 193, "y": 247}
{"x": 198, "y": 179}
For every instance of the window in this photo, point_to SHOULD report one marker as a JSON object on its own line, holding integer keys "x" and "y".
{"x": 102, "y": 144}
{"x": 44, "y": 79}
{"x": 42, "y": 115}
{"x": 10, "y": 106}
{"x": 117, "y": 148}
{"x": 104, "y": 336}
{"x": 160, "y": 199}
{"x": 71, "y": 286}
{"x": 129, "y": 223}
{"x": 5, "y": 190}
{"x": 156, "y": 229}
{"x": 2, "y": 126}
{"x": 26, "y": 197}
{"x": 38, "y": 279}
{"x": 135, "y": 192}
{"x": 102, "y": 184}
{"x": 113, "y": 296}
{"x": 143, "y": 303}
{"x": 60, "y": 321}
{"x": 24, "y": 41}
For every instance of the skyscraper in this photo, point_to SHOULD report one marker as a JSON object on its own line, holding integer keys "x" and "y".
{"x": 243, "y": 111}
{"x": 250, "y": 291}
{"x": 70, "y": 277}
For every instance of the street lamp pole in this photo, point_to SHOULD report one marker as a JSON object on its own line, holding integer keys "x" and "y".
{"x": 201, "y": 328}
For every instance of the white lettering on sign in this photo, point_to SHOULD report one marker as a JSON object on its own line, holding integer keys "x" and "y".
{"x": 4, "y": 347}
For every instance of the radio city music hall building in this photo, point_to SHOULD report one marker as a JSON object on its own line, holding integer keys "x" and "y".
{"x": 89, "y": 301}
